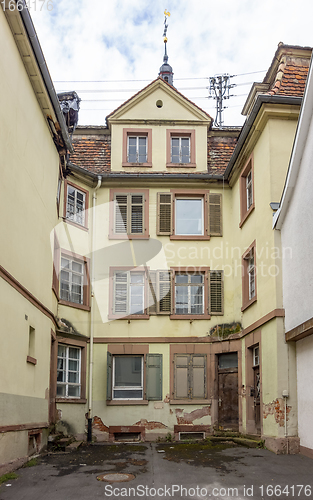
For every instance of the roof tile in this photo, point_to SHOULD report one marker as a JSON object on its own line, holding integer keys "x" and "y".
{"x": 92, "y": 153}
{"x": 220, "y": 150}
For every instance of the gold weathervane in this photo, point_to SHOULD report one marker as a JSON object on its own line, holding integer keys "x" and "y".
{"x": 167, "y": 14}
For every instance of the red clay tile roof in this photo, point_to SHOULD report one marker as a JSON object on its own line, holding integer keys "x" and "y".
{"x": 291, "y": 77}
{"x": 220, "y": 150}
{"x": 92, "y": 153}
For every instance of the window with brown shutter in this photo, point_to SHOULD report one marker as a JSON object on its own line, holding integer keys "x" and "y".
{"x": 216, "y": 293}
{"x": 160, "y": 292}
{"x": 129, "y": 214}
{"x": 215, "y": 214}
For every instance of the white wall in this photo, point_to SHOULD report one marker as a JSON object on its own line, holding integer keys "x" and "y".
{"x": 305, "y": 391}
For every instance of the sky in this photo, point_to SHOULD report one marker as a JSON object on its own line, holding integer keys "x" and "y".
{"x": 108, "y": 50}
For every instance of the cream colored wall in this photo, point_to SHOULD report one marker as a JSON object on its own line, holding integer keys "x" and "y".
{"x": 29, "y": 176}
{"x": 23, "y": 386}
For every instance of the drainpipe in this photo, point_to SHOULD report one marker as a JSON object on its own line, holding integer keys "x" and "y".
{"x": 92, "y": 276}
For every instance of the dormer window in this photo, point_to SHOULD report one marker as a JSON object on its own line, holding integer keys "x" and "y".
{"x": 137, "y": 147}
{"x": 181, "y": 148}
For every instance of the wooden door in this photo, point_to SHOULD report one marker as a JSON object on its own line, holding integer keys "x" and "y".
{"x": 228, "y": 414}
{"x": 257, "y": 414}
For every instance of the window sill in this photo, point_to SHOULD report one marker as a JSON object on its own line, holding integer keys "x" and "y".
{"x": 71, "y": 400}
{"x": 134, "y": 316}
{"x": 190, "y": 401}
{"x": 246, "y": 215}
{"x": 190, "y": 317}
{"x": 73, "y": 304}
{"x": 248, "y": 304}
{"x": 126, "y": 402}
{"x": 32, "y": 361}
{"x": 128, "y": 237}
{"x": 80, "y": 226}
{"x": 181, "y": 165}
{"x": 189, "y": 237}
{"x": 139, "y": 165}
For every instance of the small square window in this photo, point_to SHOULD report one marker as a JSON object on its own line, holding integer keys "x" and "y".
{"x": 128, "y": 377}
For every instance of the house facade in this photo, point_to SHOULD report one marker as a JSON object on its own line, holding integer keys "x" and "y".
{"x": 185, "y": 318}
{"x": 294, "y": 222}
{"x": 33, "y": 145}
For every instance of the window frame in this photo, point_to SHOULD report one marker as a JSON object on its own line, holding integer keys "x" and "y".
{"x": 131, "y": 270}
{"x": 86, "y": 280}
{"x": 247, "y": 300}
{"x": 86, "y": 195}
{"x": 129, "y": 236}
{"x": 245, "y": 211}
{"x": 71, "y": 342}
{"x": 181, "y": 133}
{"x": 192, "y": 270}
{"x": 194, "y": 194}
{"x": 137, "y": 132}
{"x": 141, "y": 388}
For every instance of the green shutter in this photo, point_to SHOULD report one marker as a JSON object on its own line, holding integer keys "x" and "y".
{"x": 154, "y": 377}
{"x": 109, "y": 376}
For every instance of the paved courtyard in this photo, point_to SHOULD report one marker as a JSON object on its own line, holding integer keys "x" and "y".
{"x": 194, "y": 470}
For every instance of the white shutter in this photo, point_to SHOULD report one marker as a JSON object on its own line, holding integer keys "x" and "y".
{"x": 120, "y": 209}
{"x": 120, "y": 292}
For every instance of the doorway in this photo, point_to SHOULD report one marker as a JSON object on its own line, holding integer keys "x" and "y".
{"x": 228, "y": 412}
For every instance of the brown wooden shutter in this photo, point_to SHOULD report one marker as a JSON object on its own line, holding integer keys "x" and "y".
{"x": 137, "y": 211}
{"x": 164, "y": 290}
{"x": 216, "y": 293}
{"x": 164, "y": 213}
{"x": 215, "y": 214}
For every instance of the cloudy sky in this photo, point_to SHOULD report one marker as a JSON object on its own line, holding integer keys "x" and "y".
{"x": 107, "y": 50}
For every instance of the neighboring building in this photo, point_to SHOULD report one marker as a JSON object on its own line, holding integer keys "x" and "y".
{"x": 33, "y": 144}
{"x": 294, "y": 219}
{"x": 186, "y": 316}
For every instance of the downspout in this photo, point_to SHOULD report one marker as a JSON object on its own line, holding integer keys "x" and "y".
{"x": 92, "y": 278}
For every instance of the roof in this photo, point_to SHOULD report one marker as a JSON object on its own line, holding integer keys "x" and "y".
{"x": 92, "y": 153}
{"x": 291, "y": 77}
{"x": 220, "y": 150}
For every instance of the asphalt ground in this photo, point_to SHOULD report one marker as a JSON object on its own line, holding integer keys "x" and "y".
{"x": 163, "y": 470}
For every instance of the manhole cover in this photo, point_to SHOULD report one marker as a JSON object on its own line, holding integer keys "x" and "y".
{"x": 116, "y": 478}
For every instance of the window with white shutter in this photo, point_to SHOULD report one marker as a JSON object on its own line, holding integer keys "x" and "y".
{"x": 129, "y": 214}
{"x": 128, "y": 294}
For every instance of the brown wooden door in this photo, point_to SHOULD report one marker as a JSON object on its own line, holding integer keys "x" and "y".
{"x": 228, "y": 414}
{"x": 257, "y": 414}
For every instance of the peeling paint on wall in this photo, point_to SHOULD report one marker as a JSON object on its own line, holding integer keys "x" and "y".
{"x": 149, "y": 426}
{"x": 99, "y": 425}
{"x": 276, "y": 408}
{"x": 188, "y": 418}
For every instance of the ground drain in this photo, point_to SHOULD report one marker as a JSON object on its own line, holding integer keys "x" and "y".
{"x": 116, "y": 478}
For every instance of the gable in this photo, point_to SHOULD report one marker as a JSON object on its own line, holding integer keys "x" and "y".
{"x": 159, "y": 102}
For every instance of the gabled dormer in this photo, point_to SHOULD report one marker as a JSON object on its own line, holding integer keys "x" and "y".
{"x": 159, "y": 129}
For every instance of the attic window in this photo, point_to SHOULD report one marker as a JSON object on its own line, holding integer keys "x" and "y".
{"x": 159, "y": 103}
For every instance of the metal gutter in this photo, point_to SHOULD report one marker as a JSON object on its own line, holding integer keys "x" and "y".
{"x": 142, "y": 175}
{"x": 33, "y": 39}
{"x": 297, "y": 151}
{"x": 261, "y": 99}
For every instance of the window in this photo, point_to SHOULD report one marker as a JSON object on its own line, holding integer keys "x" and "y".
{"x": 183, "y": 214}
{"x": 56, "y": 266}
{"x": 190, "y": 381}
{"x": 249, "y": 294}
{"x": 76, "y": 205}
{"x": 74, "y": 281}
{"x": 246, "y": 191}
{"x": 129, "y": 216}
{"x": 190, "y": 291}
{"x": 136, "y": 376}
{"x": 159, "y": 298}
{"x": 31, "y": 357}
{"x": 255, "y": 356}
{"x": 137, "y": 148}
{"x": 68, "y": 372}
{"x": 129, "y": 294}
{"x": 181, "y": 148}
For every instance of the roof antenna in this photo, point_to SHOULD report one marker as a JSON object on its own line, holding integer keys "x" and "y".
{"x": 166, "y": 71}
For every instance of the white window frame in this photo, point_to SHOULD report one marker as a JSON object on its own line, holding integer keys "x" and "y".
{"x": 191, "y": 198}
{"x": 256, "y": 355}
{"x": 251, "y": 275}
{"x": 66, "y": 384}
{"x": 249, "y": 190}
{"x": 189, "y": 285}
{"x": 129, "y": 286}
{"x": 180, "y": 138}
{"x": 77, "y": 216}
{"x": 137, "y": 137}
{"x": 70, "y": 282}
{"x": 135, "y": 388}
